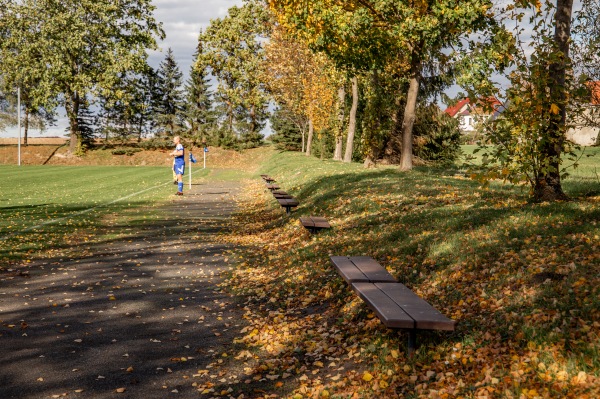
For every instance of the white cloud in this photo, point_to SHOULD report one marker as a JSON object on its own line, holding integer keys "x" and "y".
{"x": 182, "y": 21}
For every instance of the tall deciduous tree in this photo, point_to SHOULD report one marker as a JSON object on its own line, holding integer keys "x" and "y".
{"x": 234, "y": 52}
{"x": 303, "y": 81}
{"x": 74, "y": 48}
{"x": 170, "y": 94}
{"x": 530, "y": 138}
{"x": 364, "y": 34}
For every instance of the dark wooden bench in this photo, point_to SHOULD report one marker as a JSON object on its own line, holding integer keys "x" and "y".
{"x": 268, "y": 179}
{"x": 282, "y": 194}
{"x": 393, "y": 303}
{"x": 288, "y": 204}
{"x": 272, "y": 187}
{"x": 355, "y": 269}
{"x": 314, "y": 223}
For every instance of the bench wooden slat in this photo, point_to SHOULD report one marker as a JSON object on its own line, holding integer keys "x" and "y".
{"x": 307, "y": 222}
{"x": 288, "y": 201}
{"x": 283, "y": 196}
{"x": 426, "y": 316}
{"x": 388, "y": 311}
{"x": 361, "y": 269}
{"x": 320, "y": 222}
{"x": 272, "y": 187}
{"x": 315, "y": 221}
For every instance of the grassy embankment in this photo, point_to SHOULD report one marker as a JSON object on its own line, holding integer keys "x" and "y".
{"x": 521, "y": 279}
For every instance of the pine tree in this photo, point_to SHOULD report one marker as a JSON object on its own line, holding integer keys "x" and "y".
{"x": 287, "y": 134}
{"x": 170, "y": 95}
{"x": 199, "y": 113}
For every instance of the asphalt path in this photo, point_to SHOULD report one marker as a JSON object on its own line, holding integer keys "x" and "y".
{"x": 141, "y": 317}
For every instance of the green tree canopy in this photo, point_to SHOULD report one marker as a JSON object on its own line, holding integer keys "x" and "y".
{"x": 233, "y": 49}
{"x": 74, "y": 48}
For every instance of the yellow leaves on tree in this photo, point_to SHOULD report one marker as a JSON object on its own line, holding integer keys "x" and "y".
{"x": 304, "y": 81}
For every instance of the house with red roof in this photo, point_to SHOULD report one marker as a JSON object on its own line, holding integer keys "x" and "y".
{"x": 587, "y": 124}
{"x": 472, "y": 114}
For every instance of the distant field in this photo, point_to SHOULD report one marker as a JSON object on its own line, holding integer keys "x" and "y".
{"x": 42, "y": 206}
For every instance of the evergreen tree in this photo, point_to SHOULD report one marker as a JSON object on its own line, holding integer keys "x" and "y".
{"x": 170, "y": 95}
{"x": 128, "y": 110}
{"x": 199, "y": 113}
{"x": 287, "y": 134}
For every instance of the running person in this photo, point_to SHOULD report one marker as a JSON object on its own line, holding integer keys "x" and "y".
{"x": 178, "y": 163}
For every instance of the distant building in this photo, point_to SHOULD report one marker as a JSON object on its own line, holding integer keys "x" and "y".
{"x": 470, "y": 115}
{"x": 587, "y": 125}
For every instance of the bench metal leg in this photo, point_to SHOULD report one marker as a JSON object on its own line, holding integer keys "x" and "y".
{"x": 412, "y": 342}
{"x": 288, "y": 210}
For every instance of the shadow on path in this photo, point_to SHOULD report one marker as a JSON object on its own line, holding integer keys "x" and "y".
{"x": 142, "y": 313}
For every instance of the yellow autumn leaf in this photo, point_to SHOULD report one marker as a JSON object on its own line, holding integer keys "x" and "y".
{"x": 554, "y": 109}
{"x": 367, "y": 376}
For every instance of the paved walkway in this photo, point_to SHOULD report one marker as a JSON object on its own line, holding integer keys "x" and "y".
{"x": 137, "y": 319}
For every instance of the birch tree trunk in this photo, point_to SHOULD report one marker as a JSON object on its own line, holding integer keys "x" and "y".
{"x": 352, "y": 122}
{"x": 309, "y": 140}
{"x": 339, "y": 138}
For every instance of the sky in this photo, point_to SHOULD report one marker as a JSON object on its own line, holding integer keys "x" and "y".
{"x": 182, "y": 21}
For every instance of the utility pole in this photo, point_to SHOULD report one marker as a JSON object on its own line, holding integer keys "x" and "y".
{"x": 19, "y": 122}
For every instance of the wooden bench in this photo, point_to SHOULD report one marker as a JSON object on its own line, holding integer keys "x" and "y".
{"x": 268, "y": 179}
{"x": 272, "y": 187}
{"x": 393, "y": 303}
{"x": 283, "y": 196}
{"x": 314, "y": 223}
{"x": 288, "y": 204}
{"x": 356, "y": 269}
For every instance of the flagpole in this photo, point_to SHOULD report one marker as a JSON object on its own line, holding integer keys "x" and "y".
{"x": 19, "y": 122}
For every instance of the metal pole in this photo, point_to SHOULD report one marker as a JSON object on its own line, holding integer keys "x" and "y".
{"x": 204, "y": 152}
{"x": 19, "y": 123}
{"x": 190, "y": 171}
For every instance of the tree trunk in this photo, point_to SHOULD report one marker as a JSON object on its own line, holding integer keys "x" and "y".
{"x": 547, "y": 185}
{"x": 252, "y": 119}
{"x": 352, "y": 122}
{"x": 393, "y": 146}
{"x": 409, "y": 114}
{"x": 339, "y": 138}
{"x": 309, "y": 140}
{"x": 72, "y": 107}
{"x": 339, "y": 143}
{"x": 26, "y": 125}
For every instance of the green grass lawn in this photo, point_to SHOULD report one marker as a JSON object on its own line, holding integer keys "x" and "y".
{"x": 51, "y": 207}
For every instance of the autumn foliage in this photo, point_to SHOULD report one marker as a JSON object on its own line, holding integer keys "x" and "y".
{"x": 521, "y": 279}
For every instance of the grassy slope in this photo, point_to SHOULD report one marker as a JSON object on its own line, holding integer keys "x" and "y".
{"x": 521, "y": 279}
